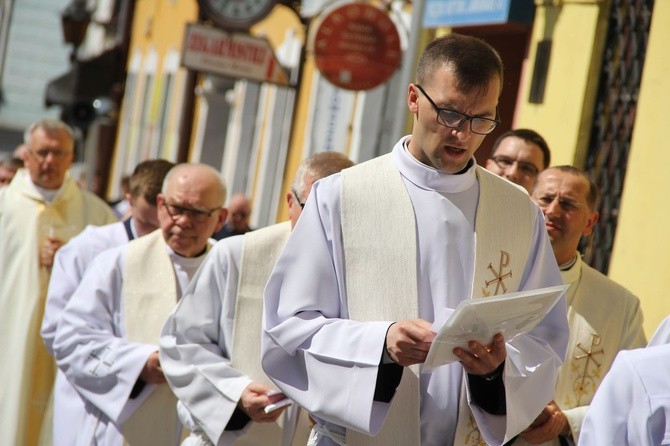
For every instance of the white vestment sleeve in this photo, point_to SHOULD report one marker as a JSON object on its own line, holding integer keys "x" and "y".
{"x": 196, "y": 342}
{"x": 662, "y": 334}
{"x": 309, "y": 338}
{"x": 89, "y": 345}
{"x": 610, "y": 419}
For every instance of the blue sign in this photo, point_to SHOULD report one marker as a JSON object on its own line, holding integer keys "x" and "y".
{"x": 476, "y": 12}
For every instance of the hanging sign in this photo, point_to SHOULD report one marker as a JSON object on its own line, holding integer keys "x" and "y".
{"x": 356, "y": 46}
{"x": 236, "y": 55}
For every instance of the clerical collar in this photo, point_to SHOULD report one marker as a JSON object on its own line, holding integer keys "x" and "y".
{"x": 427, "y": 177}
{"x": 49, "y": 195}
{"x": 569, "y": 264}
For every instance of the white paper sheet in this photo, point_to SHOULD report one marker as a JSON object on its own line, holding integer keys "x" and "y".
{"x": 480, "y": 319}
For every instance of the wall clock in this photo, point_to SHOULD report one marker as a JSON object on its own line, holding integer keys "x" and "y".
{"x": 236, "y": 14}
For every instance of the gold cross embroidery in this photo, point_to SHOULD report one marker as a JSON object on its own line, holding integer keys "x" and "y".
{"x": 589, "y": 355}
{"x": 499, "y": 277}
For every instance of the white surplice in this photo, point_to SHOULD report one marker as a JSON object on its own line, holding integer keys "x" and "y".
{"x": 91, "y": 349}
{"x": 26, "y": 219}
{"x": 328, "y": 363}
{"x": 632, "y": 405}
{"x": 596, "y": 336}
{"x": 69, "y": 267}
{"x": 197, "y": 343}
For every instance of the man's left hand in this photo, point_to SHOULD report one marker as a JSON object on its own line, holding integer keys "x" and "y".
{"x": 555, "y": 424}
{"x": 482, "y": 360}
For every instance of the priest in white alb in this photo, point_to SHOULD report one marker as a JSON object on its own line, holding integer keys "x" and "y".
{"x": 210, "y": 345}
{"x": 567, "y": 198}
{"x": 106, "y": 343}
{"x": 383, "y": 247}
{"x": 40, "y": 210}
{"x": 69, "y": 266}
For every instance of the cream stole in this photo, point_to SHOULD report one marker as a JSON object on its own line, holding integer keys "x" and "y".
{"x": 260, "y": 251}
{"x": 389, "y": 269}
{"x": 150, "y": 293}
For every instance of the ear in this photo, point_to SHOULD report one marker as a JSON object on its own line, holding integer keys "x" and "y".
{"x": 412, "y": 98}
{"x": 289, "y": 199}
{"x": 223, "y": 215}
{"x": 591, "y": 222}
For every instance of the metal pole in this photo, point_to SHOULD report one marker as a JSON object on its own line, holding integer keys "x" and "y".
{"x": 5, "y": 15}
{"x": 407, "y": 71}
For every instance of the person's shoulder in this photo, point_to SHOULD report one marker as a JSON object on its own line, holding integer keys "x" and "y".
{"x": 501, "y": 184}
{"x": 591, "y": 277}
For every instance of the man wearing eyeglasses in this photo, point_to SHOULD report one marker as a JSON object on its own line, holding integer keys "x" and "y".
{"x": 210, "y": 345}
{"x": 40, "y": 210}
{"x": 107, "y": 340}
{"x": 519, "y": 156}
{"x": 604, "y": 317}
{"x": 383, "y": 247}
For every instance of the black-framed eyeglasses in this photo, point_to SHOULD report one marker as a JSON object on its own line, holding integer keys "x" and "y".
{"x": 526, "y": 168}
{"x": 453, "y": 119}
{"x": 295, "y": 194}
{"x": 196, "y": 215}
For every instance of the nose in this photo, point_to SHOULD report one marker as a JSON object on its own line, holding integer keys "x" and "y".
{"x": 463, "y": 131}
{"x": 512, "y": 172}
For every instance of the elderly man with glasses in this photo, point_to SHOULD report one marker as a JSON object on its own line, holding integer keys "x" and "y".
{"x": 519, "y": 156}
{"x": 106, "y": 343}
{"x": 40, "y": 210}
{"x": 385, "y": 246}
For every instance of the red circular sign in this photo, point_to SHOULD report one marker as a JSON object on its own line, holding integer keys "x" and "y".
{"x": 357, "y": 46}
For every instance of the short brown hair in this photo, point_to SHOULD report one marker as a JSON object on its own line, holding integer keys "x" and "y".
{"x": 473, "y": 61}
{"x": 147, "y": 179}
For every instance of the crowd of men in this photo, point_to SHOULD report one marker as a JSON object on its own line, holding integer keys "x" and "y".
{"x": 182, "y": 324}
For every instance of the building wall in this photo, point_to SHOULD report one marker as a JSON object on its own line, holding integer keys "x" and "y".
{"x": 641, "y": 259}
{"x": 577, "y": 28}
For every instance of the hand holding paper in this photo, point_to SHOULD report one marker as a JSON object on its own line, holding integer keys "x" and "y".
{"x": 480, "y": 319}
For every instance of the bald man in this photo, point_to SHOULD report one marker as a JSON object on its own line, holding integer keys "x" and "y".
{"x": 106, "y": 341}
{"x": 210, "y": 347}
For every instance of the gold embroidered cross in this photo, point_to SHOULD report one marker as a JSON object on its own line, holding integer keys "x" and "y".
{"x": 589, "y": 355}
{"x": 499, "y": 276}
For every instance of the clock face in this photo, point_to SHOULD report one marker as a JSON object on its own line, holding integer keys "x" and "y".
{"x": 236, "y": 14}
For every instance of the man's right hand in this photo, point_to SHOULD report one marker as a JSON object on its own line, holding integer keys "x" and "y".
{"x": 408, "y": 341}
{"x": 253, "y": 402}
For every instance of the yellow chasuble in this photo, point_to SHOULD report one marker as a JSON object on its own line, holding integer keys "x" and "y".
{"x": 26, "y": 219}
{"x": 389, "y": 269}
{"x": 150, "y": 294}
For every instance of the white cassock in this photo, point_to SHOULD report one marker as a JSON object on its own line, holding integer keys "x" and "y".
{"x": 632, "y": 405}
{"x": 197, "y": 344}
{"x": 91, "y": 349}
{"x": 329, "y": 364}
{"x": 596, "y": 336}
{"x": 68, "y": 269}
{"x": 26, "y": 219}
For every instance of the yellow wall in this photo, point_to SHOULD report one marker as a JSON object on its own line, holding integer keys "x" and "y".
{"x": 641, "y": 255}
{"x": 577, "y": 29}
{"x": 161, "y": 23}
